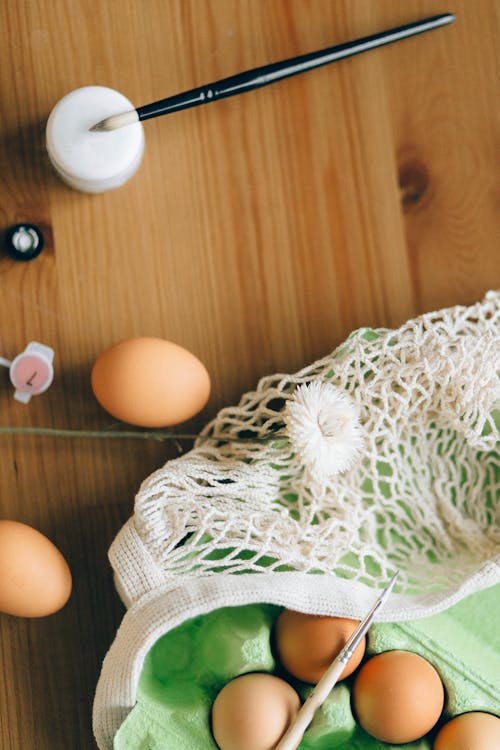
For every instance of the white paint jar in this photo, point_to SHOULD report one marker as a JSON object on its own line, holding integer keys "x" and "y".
{"x": 93, "y": 162}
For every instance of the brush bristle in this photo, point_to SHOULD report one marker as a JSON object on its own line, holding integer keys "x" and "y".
{"x": 115, "y": 121}
{"x": 98, "y": 127}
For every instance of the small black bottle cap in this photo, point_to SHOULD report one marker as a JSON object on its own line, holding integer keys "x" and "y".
{"x": 23, "y": 241}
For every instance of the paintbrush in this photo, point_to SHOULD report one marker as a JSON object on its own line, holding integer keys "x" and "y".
{"x": 258, "y": 77}
{"x": 295, "y": 732}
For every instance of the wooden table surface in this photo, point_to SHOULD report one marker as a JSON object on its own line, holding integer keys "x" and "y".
{"x": 258, "y": 232}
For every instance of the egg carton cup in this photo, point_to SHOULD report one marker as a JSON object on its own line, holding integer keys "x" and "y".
{"x": 264, "y": 508}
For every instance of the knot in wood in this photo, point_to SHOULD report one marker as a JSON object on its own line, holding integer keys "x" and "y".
{"x": 414, "y": 182}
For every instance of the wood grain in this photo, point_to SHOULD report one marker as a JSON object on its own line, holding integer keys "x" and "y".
{"x": 258, "y": 233}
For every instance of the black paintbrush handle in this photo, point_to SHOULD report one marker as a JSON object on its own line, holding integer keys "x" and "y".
{"x": 258, "y": 77}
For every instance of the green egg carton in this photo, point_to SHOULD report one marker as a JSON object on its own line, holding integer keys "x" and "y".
{"x": 187, "y": 667}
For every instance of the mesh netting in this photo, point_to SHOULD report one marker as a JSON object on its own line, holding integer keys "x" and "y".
{"x": 423, "y": 497}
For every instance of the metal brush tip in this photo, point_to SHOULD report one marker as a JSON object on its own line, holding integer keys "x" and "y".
{"x": 390, "y": 586}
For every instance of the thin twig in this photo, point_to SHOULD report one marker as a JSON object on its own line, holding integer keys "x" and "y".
{"x": 123, "y": 434}
{"x": 128, "y": 434}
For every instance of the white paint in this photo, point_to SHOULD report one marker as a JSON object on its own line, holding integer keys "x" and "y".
{"x": 93, "y": 162}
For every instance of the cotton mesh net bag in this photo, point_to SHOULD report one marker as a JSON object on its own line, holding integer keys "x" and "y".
{"x": 317, "y": 487}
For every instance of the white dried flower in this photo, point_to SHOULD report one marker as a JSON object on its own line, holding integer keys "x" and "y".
{"x": 323, "y": 426}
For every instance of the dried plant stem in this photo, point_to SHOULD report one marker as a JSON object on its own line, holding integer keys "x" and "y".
{"x": 123, "y": 434}
{"x": 159, "y": 436}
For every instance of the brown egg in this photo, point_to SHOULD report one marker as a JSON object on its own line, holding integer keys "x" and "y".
{"x": 34, "y": 577}
{"x": 472, "y": 731}
{"x": 150, "y": 382}
{"x": 398, "y": 696}
{"x": 252, "y": 712}
{"x": 307, "y": 644}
